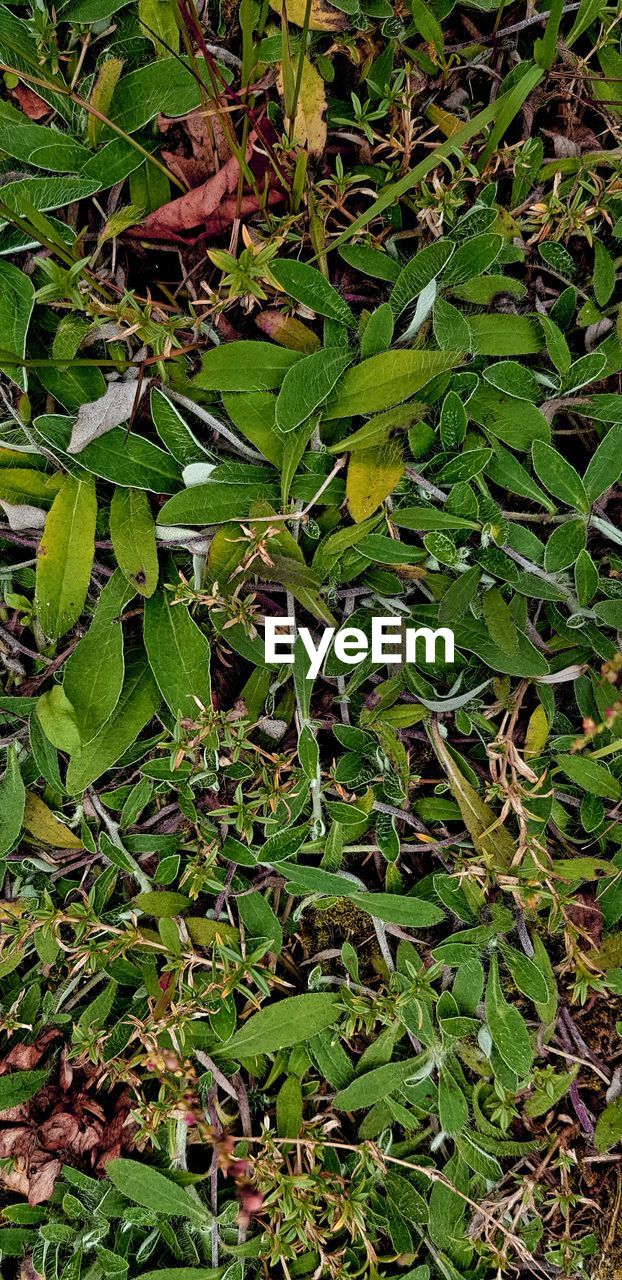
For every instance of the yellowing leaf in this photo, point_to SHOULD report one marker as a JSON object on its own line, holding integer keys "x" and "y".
{"x": 323, "y": 16}
{"x": 309, "y": 125}
{"x": 372, "y": 476}
{"x": 490, "y": 837}
{"x": 44, "y": 826}
{"x": 537, "y": 733}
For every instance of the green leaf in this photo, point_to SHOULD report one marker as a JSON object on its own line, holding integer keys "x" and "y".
{"x": 565, "y": 544}
{"x": 590, "y": 776}
{"x": 380, "y": 1083}
{"x": 608, "y": 1132}
{"x": 425, "y": 519}
{"x": 419, "y": 272}
{"x": 137, "y": 704}
{"x": 145, "y": 1186}
{"x": 307, "y": 385}
{"x": 507, "y": 1027}
{"x": 526, "y": 974}
{"x": 504, "y": 335}
{"x": 216, "y": 503}
{"x": 558, "y": 476}
{"x": 605, "y": 466}
{"x": 94, "y": 671}
{"x": 17, "y": 296}
{"x": 127, "y": 460}
{"x": 38, "y": 145}
{"x": 182, "y": 1273}
{"x": 12, "y": 801}
{"x": 174, "y": 433}
{"x": 307, "y": 285}
{"x": 289, "y": 1108}
{"x": 65, "y": 557}
{"x": 490, "y": 838}
{"x": 609, "y": 612}
{"x": 459, "y": 595}
{"x": 409, "y": 1203}
{"x": 604, "y": 274}
{"x": 245, "y": 366}
{"x": 513, "y": 379}
{"x": 452, "y": 1105}
{"x": 58, "y": 720}
{"x": 472, "y": 258}
{"x": 162, "y": 905}
{"x": 499, "y": 620}
{"x": 19, "y": 1086}
{"x": 387, "y": 379}
{"x": 409, "y": 912}
{"x": 133, "y": 538}
{"x": 453, "y": 422}
{"x": 283, "y": 1024}
{"x": 179, "y": 655}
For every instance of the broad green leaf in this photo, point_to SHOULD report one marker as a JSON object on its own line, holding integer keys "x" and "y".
{"x": 451, "y": 329}
{"x": 245, "y": 366}
{"x": 453, "y": 422}
{"x": 419, "y": 272}
{"x": 452, "y": 1105}
{"x": 215, "y": 503}
{"x": 282, "y": 1024}
{"x": 58, "y": 720}
{"x": 371, "y": 262}
{"x": 289, "y": 1108}
{"x": 565, "y": 544}
{"x": 307, "y": 285}
{"x": 65, "y": 557}
{"x": 182, "y": 1273}
{"x": 179, "y": 655}
{"x": 372, "y": 475}
{"x": 605, "y": 466}
{"x": 133, "y": 538}
{"x": 498, "y": 334}
{"x": 604, "y": 274}
{"x": 425, "y": 519}
{"x": 162, "y": 904}
{"x": 590, "y": 776}
{"x": 609, "y": 612}
{"x": 94, "y": 671}
{"x": 558, "y": 476}
{"x": 149, "y": 1188}
{"x": 507, "y": 1027}
{"x": 38, "y": 145}
{"x": 380, "y": 1083}
{"x": 387, "y": 379}
{"x": 513, "y": 379}
{"x": 472, "y": 258}
{"x": 21, "y": 486}
{"x": 174, "y": 433}
{"x": 459, "y": 595}
{"x": 408, "y": 1201}
{"x": 12, "y": 801}
{"x": 499, "y": 620}
{"x": 137, "y": 704}
{"x": 526, "y": 974}
{"x": 19, "y": 1086}
{"x": 127, "y": 460}
{"x": 307, "y": 385}
{"x": 17, "y": 296}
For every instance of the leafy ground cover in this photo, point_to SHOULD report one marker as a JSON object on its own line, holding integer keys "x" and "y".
{"x": 310, "y": 309}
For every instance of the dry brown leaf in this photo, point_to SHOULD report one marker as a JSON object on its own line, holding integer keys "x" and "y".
{"x": 31, "y": 104}
{"x": 309, "y": 125}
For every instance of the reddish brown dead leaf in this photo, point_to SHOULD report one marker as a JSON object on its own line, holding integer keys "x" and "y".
{"x": 31, "y": 104}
